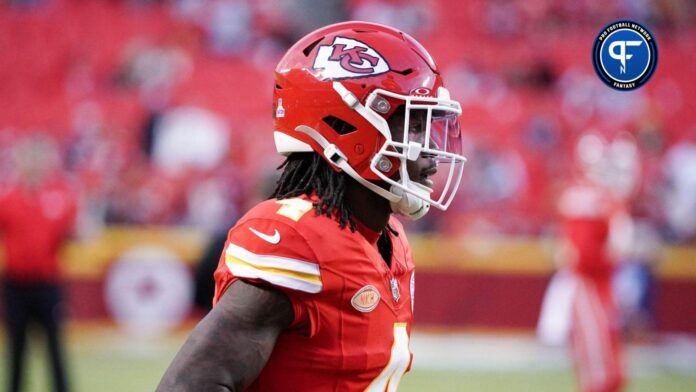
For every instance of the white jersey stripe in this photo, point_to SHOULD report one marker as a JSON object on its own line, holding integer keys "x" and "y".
{"x": 247, "y": 271}
{"x": 279, "y": 262}
{"x": 589, "y": 324}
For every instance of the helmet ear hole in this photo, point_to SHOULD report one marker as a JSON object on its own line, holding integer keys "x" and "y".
{"x": 404, "y": 72}
{"x": 341, "y": 127}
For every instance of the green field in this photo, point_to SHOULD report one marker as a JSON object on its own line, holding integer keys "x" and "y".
{"x": 106, "y": 361}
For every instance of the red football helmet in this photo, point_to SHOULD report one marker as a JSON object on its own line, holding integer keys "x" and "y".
{"x": 336, "y": 88}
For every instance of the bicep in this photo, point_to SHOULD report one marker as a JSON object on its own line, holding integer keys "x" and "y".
{"x": 228, "y": 349}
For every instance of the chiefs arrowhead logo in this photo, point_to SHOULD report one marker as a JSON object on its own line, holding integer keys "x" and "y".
{"x": 348, "y": 58}
{"x": 366, "y": 299}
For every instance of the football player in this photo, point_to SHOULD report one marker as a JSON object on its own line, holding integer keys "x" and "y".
{"x": 594, "y": 222}
{"x": 314, "y": 289}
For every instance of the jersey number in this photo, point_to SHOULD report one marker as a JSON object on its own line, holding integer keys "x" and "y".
{"x": 389, "y": 379}
{"x": 294, "y": 208}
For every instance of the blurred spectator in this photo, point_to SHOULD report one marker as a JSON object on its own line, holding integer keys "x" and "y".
{"x": 37, "y": 213}
{"x": 7, "y": 139}
{"x": 584, "y": 102}
{"x": 634, "y": 282}
{"x": 502, "y": 18}
{"x": 496, "y": 174}
{"x": 226, "y": 24}
{"x": 302, "y": 16}
{"x": 229, "y": 26}
{"x": 542, "y": 135}
{"x": 189, "y": 137}
{"x": 146, "y": 196}
{"x": 27, "y": 4}
{"x": 679, "y": 168}
{"x": 214, "y": 202}
{"x": 508, "y": 62}
{"x": 154, "y": 69}
{"x": 98, "y": 156}
{"x": 414, "y": 17}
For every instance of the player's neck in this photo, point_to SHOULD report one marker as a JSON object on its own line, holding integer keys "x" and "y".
{"x": 371, "y": 209}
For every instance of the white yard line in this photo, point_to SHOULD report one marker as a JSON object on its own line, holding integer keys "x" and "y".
{"x": 490, "y": 352}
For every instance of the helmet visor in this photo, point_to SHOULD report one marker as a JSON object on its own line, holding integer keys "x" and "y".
{"x": 445, "y": 134}
{"x": 433, "y": 134}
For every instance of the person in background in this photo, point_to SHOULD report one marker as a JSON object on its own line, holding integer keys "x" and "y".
{"x": 37, "y": 214}
{"x": 594, "y": 229}
{"x": 204, "y": 291}
{"x": 595, "y": 338}
{"x": 634, "y": 283}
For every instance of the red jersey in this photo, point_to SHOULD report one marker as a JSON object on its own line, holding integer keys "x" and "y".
{"x": 586, "y": 212}
{"x": 353, "y": 312}
{"x": 33, "y": 225}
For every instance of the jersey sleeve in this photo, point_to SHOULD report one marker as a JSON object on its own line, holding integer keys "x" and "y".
{"x": 270, "y": 252}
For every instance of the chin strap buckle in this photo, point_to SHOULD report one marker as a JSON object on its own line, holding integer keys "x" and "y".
{"x": 333, "y": 154}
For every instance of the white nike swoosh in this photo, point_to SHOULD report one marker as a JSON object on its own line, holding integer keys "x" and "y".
{"x": 273, "y": 239}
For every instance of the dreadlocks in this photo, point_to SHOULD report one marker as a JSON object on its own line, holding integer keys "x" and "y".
{"x": 307, "y": 173}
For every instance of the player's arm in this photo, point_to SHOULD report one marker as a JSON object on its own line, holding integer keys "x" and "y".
{"x": 228, "y": 349}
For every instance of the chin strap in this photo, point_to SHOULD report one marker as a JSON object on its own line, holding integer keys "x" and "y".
{"x": 410, "y": 206}
{"x": 338, "y": 159}
{"x": 401, "y": 202}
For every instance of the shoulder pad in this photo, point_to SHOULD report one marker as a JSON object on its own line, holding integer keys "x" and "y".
{"x": 266, "y": 248}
